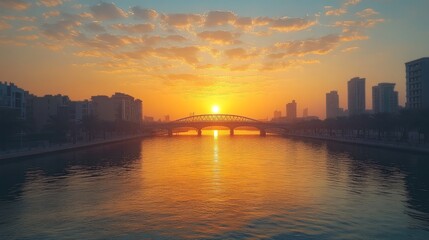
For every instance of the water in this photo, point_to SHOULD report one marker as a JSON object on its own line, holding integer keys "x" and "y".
{"x": 217, "y": 187}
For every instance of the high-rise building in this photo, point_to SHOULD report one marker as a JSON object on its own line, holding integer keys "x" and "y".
{"x": 49, "y": 106}
{"x": 417, "y": 82}
{"x": 356, "y": 96}
{"x": 384, "y": 98}
{"x": 305, "y": 113}
{"x": 291, "y": 110}
{"x": 118, "y": 107}
{"x": 332, "y": 105}
{"x": 13, "y": 98}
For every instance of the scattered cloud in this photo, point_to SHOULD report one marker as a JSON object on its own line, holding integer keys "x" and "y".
{"x": 49, "y": 14}
{"x": 4, "y": 25}
{"x": 291, "y": 24}
{"x": 240, "y": 53}
{"x": 50, "y": 3}
{"x": 94, "y": 27}
{"x": 107, "y": 11}
{"x": 219, "y": 37}
{"x": 318, "y": 46}
{"x": 134, "y": 28}
{"x": 330, "y": 11}
{"x": 368, "y": 12}
{"x": 181, "y": 20}
{"x": 144, "y": 14}
{"x": 350, "y": 49}
{"x": 219, "y": 18}
{"x": 18, "y": 5}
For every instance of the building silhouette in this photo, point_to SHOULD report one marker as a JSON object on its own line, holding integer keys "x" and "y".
{"x": 119, "y": 106}
{"x": 43, "y": 108}
{"x": 384, "y": 98}
{"x": 13, "y": 98}
{"x": 417, "y": 83}
{"x": 332, "y": 104}
{"x": 291, "y": 111}
{"x": 305, "y": 113}
{"x": 277, "y": 115}
{"x": 356, "y": 96}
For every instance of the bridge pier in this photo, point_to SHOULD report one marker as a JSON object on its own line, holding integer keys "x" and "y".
{"x": 199, "y": 132}
{"x": 170, "y": 132}
{"x": 231, "y": 131}
{"x": 262, "y": 133}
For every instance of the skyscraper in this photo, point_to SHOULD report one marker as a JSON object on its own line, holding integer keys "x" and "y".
{"x": 384, "y": 98}
{"x": 356, "y": 96}
{"x": 417, "y": 82}
{"x": 332, "y": 104}
{"x": 291, "y": 110}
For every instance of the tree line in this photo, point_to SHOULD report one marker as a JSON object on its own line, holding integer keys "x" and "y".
{"x": 16, "y": 132}
{"x": 408, "y": 125}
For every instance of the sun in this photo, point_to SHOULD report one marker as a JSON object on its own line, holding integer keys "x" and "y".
{"x": 215, "y": 109}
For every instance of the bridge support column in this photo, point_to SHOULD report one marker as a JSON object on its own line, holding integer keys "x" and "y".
{"x": 231, "y": 131}
{"x": 262, "y": 133}
{"x": 199, "y": 132}
{"x": 170, "y": 132}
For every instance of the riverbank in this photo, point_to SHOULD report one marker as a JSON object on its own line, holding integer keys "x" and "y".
{"x": 367, "y": 142}
{"x": 67, "y": 147}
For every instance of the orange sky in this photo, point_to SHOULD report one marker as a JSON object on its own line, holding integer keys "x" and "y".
{"x": 250, "y": 59}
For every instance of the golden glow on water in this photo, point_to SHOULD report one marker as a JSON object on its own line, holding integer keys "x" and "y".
{"x": 213, "y": 186}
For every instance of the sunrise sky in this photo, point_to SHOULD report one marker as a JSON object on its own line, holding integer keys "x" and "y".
{"x": 247, "y": 57}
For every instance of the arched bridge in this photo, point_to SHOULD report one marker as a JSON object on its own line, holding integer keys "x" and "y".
{"x": 230, "y": 121}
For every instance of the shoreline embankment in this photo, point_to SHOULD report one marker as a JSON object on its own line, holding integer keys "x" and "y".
{"x": 366, "y": 142}
{"x": 67, "y": 147}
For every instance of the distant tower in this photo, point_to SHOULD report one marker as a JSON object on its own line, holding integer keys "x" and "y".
{"x": 384, "y": 98}
{"x": 305, "y": 113}
{"x": 356, "y": 96}
{"x": 417, "y": 80}
{"x": 291, "y": 110}
{"x": 332, "y": 105}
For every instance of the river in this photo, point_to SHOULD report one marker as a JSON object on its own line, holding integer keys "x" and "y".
{"x": 217, "y": 186}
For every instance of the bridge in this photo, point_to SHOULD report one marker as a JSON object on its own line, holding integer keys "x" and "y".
{"x": 198, "y": 122}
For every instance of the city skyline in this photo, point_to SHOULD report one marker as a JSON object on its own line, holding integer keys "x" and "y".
{"x": 198, "y": 55}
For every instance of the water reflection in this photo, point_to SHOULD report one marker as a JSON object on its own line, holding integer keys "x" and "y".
{"x": 217, "y": 187}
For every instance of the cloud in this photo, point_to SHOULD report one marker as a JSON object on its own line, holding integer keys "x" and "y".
{"x": 61, "y": 30}
{"x": 134, "y": 28}
{"x": 27, "y": 28}
{"x": 285, "y": 65}
{"x": 335, "y": 11}
{"x": 187, "y": 54}
{"x": 50, "y": 3}
{"x": 219, "y": 37}
{"x": 110, "y": 40}
{"x": 94, "y": 27}
{"x": 368, "y": 12}
{"x": 153, "y": 40}
{"x": 350, "y": 49}
{"x": 291, "y": 24}
{"x": 15, "y": 4}
{"x": 51, "y": 14}
{"x": 107, "y": 11}
{"x": 145, "y": 14}
{"x": 219, "y": 18}
{"x": 362, "y": 24}
{"x": 181, "y": 20}
{"x": 316, "y": 46}
{"x": 244, "y": 22}
{"x": 239, "y": 53}
{"x": 342, "y": 10}
{"x": 4, "y": 25}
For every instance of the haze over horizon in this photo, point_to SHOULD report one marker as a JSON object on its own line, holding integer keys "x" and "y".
{"x": 247, "y": 57}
